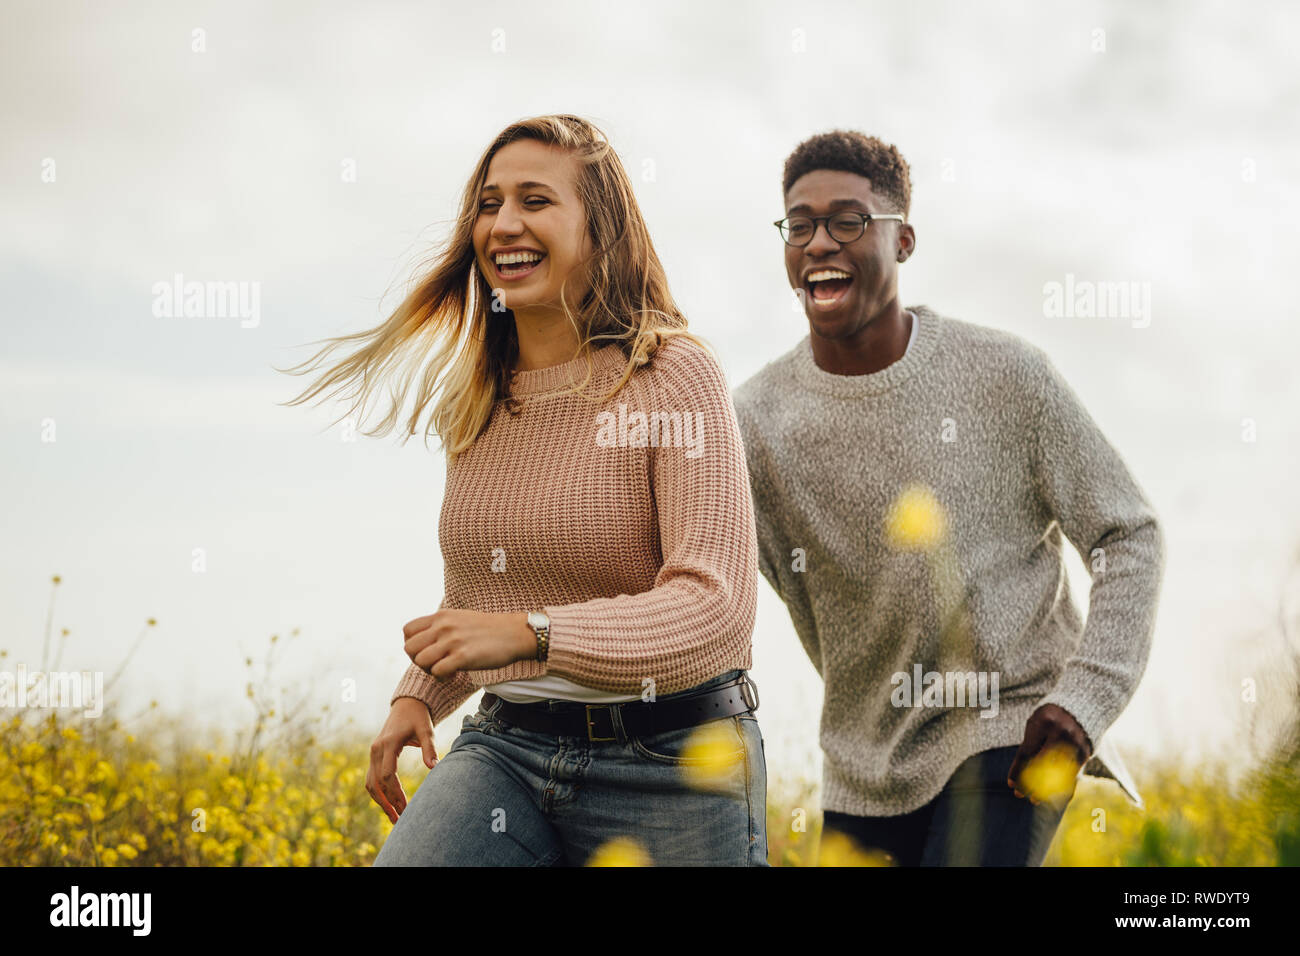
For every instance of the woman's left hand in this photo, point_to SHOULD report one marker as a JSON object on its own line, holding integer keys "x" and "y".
{"x": 452, "y": 639}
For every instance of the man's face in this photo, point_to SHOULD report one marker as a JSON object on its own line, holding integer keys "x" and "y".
{"x": 839, "y": 307}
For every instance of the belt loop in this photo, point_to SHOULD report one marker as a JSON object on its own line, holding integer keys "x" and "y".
{"x": 493, "y": 707}
{"x": 616, "y": 718}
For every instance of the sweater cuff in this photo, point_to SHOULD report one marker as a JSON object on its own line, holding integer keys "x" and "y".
{"x": 1092, "y": 709}
{"x": 441, "y": 697}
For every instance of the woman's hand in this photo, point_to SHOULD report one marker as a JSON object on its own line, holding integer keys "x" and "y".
{"x": 452, "y": 640}
{"x": 409, "y": 725}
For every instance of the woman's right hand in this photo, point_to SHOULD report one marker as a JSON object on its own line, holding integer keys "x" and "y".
{"x": 409, "y": 724}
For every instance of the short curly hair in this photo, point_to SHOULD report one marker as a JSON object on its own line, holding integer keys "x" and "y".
{"x": 854, "y": 152}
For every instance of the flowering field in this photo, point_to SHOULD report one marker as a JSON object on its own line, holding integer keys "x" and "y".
{"x": 91, "y": 793}
{"x": 290, "y": 791}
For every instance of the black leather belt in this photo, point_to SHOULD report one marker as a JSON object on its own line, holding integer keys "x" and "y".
{"x": 638, "y": 718}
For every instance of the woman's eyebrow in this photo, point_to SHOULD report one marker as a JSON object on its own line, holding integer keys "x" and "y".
{"x": 493, "y": 187}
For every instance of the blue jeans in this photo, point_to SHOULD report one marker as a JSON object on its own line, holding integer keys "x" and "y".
{"x": 976, "y": 820}
{"x": 503, "y": 796}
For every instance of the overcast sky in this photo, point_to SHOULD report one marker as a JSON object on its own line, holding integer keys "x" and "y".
{"x": 1112, "y": 142}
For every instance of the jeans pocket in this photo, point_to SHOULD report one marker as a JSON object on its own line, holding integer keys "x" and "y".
{"x": 714, "y": 743}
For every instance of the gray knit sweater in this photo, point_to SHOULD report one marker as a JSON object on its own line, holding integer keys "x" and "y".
{"x": 911, "y": 520}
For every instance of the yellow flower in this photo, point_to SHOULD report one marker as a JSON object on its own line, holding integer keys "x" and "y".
{"x": 839, "y": 849}
{"x": 1050, "y": 775}
{"x": 711, "y": 753}
{"x": 31, "y": 752}
{"x": 916, "y": 521}
{"x": 621, "y": 851}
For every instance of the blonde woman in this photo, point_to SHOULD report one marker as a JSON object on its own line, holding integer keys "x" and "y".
{"x": 597, "y": 533}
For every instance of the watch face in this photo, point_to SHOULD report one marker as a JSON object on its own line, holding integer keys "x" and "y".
{"x": 538, "y": 619}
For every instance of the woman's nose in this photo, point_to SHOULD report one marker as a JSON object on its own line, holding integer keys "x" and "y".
{"x": 507, "y": 222}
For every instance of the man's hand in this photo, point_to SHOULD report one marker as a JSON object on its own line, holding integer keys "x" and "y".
{"x": 1049, "y": 758}
{"x": 452, "y": 640}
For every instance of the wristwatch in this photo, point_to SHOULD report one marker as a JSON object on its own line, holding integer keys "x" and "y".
{"x": 541, "y": 625}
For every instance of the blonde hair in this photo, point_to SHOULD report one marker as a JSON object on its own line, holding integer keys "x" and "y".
{"x": 449, "y": 312}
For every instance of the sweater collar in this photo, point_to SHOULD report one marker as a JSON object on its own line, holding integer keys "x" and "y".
{"x": 817, "y": 379}
{"x": 558, "y": 377}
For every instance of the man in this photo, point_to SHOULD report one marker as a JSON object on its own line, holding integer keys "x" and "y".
{"x": 913, "y": 475}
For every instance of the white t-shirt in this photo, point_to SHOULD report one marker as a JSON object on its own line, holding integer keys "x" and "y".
{"x": 548, "y": 686}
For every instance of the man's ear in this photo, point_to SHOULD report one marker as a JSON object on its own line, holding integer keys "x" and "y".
{"x": 906, "y": 242}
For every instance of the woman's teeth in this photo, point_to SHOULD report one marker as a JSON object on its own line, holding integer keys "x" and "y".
{"x": 510, "y": 263}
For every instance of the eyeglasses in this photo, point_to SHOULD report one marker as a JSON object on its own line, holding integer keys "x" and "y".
{"x": 842, "y": 227}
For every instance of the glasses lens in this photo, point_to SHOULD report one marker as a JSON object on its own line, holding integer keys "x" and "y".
{"x": 846, "y": 226}
{"x": 797, "y": 231}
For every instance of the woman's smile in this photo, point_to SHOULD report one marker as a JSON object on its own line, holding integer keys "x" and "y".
{"x": 511, "y": 264}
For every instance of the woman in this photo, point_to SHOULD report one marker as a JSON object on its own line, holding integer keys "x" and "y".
{"x": 597, "y": 533}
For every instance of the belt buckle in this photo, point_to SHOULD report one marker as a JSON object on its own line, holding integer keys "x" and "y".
{"x": 591, "y": 726}
{"x": 749, "y": 689}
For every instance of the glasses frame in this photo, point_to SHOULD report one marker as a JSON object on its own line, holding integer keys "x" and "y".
{"x": 825, "y": 222}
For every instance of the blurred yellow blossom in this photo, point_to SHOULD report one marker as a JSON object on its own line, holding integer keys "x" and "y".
{"x": 916, "y": 521}
{"x": 1049, "y": 776}
{"x": 621, "y": 851}
{"x": 839, "y": 849}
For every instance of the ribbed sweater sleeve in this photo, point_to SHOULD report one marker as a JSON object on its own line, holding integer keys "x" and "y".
{"x": 1086, "y": 487}
{"x": 440, "y": 696}
{"x": 700, "y": 612}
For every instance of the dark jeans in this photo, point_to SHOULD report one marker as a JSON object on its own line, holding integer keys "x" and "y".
{"x": 976, "y": 820}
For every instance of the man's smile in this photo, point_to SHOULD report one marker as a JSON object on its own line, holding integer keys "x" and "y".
{"x": 827, "y": 286}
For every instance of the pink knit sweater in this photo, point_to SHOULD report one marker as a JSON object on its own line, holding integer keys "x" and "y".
{"x": 633, "y": 533}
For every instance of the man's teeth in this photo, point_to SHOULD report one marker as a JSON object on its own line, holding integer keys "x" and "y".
{"x": 825, "y": 274}
{"x": 513, "y": 258}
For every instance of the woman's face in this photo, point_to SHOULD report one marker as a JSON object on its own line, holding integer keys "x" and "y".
{"x": 531, "y": 230}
